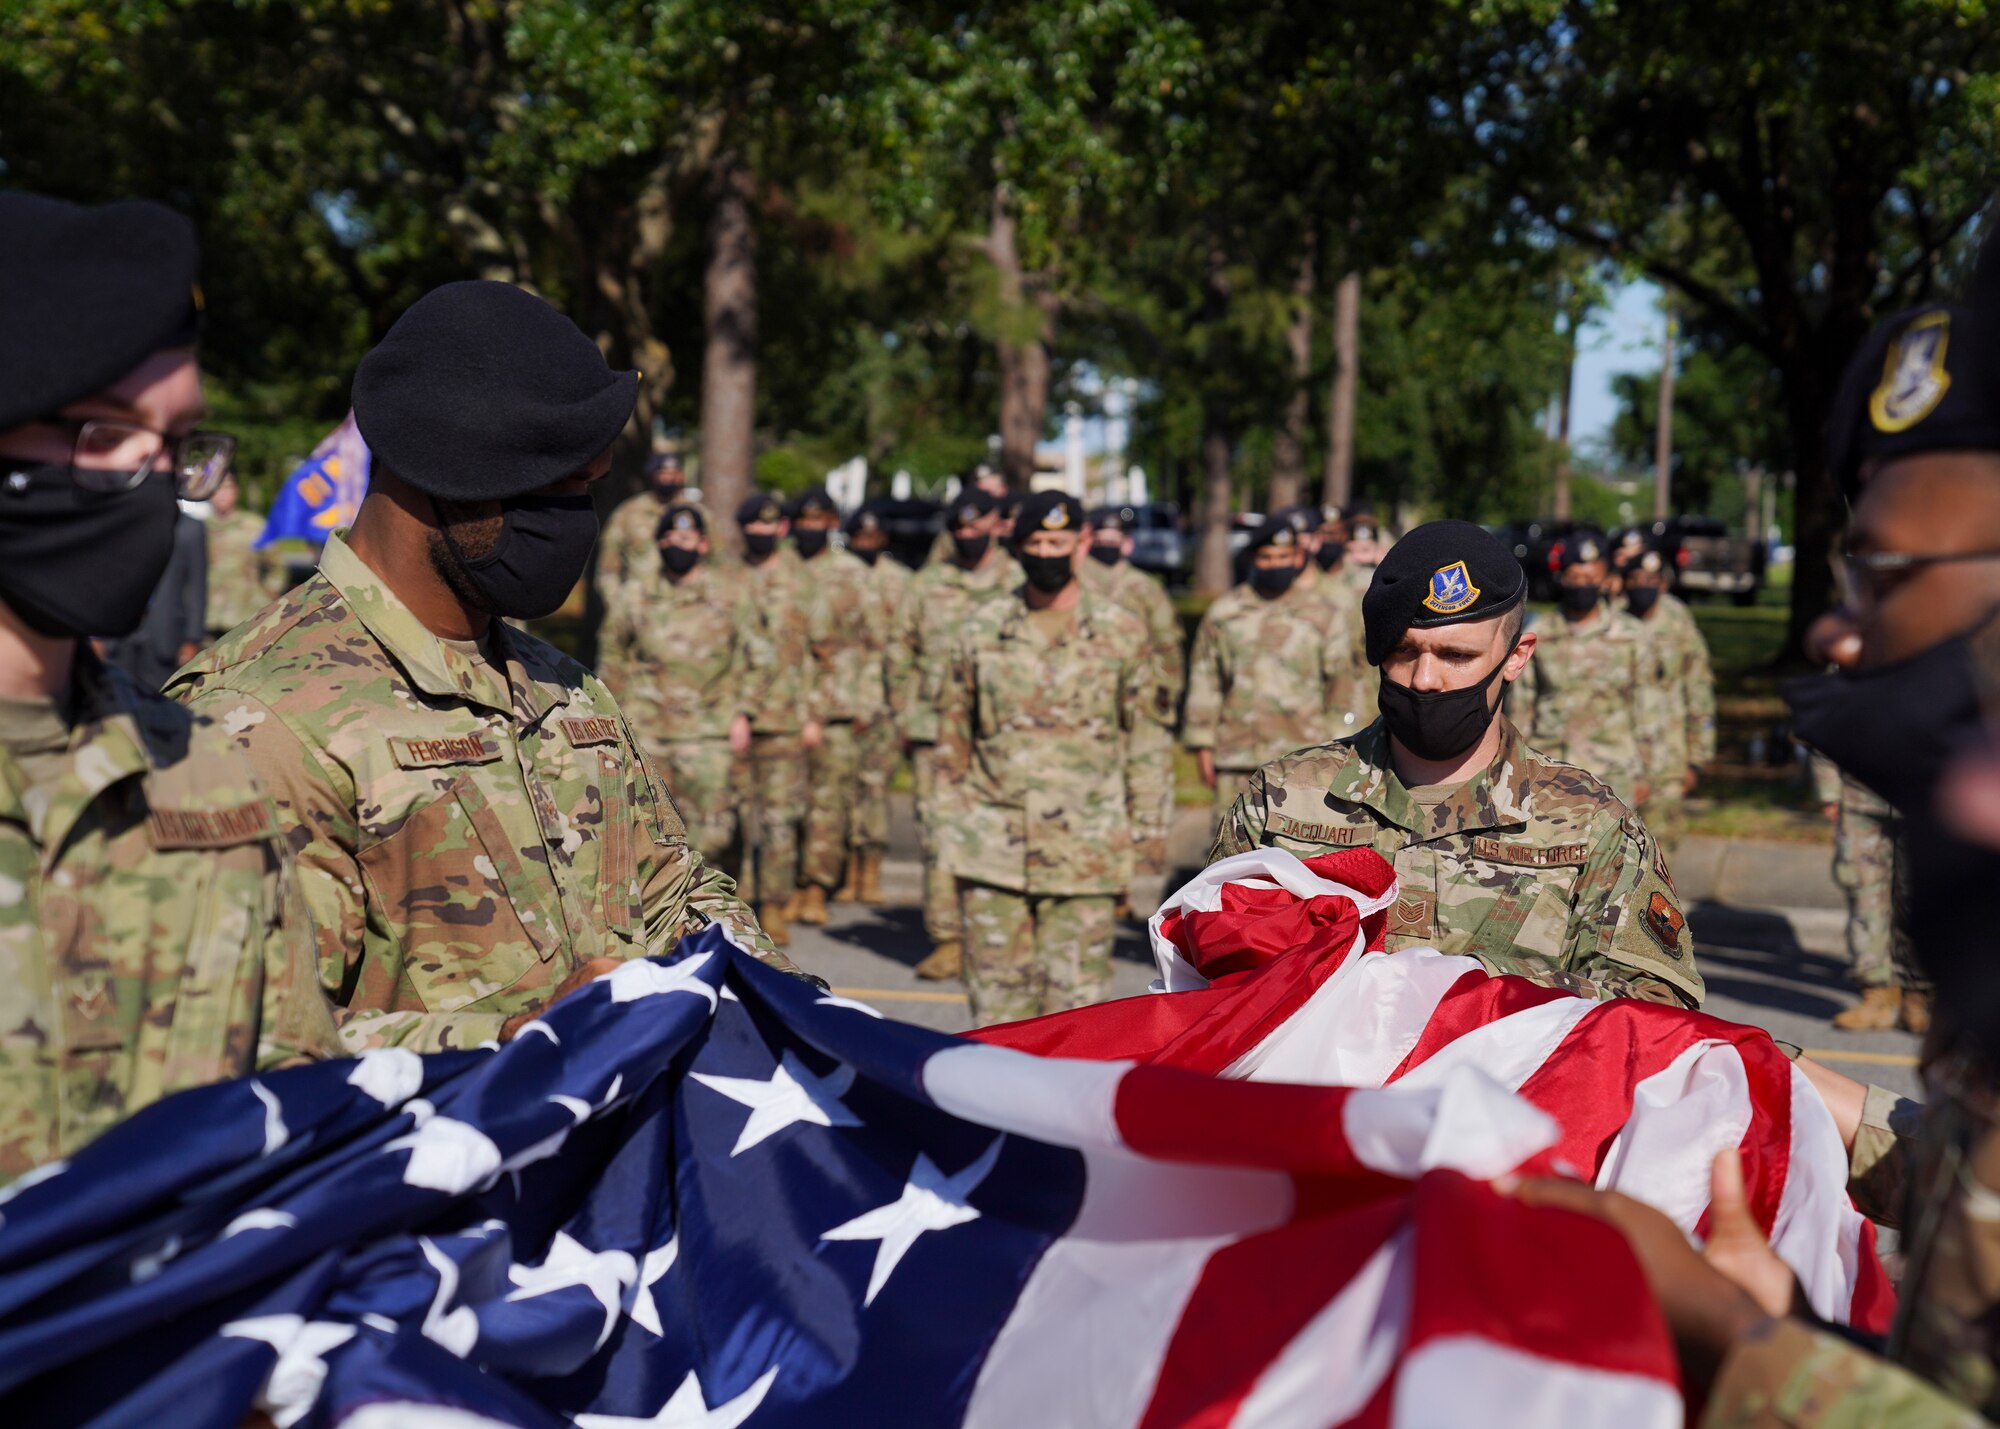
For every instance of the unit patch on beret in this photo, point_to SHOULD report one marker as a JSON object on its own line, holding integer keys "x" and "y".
{"x": 1055, "y": 518}
{"x": 1914, "y": 379}
{"x": 1451, "y": 589}
{"x": 684, "y": 521}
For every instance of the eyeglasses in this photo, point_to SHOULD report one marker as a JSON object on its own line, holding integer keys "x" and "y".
{"x": 1877, "y": 571}
{"x": 110, "y": 456}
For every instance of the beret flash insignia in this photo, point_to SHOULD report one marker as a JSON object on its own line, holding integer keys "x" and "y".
{"x": 1451, "y": 589}
{"x": 1914, "y": 379}
{"x": 1055, "y": 518}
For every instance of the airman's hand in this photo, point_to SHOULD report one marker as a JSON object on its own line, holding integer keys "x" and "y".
{"x": 583, "y": 976}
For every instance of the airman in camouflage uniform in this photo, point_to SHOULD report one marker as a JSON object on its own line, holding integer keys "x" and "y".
{"x": 1530, "y": 866}
{"x": 845, "y": 637}
{"x": 242, "y": 580}
{"x": 1679, "y": 685}
{"x": 1049, "y": 730}
{"x": 881, "y": 742}
{"x": 687, "y": 661}
{"x": 1110, "y": 573}
{"x": 1577, "y": 702}
{"x": 936, "y": 611}
{"x": 625, "y": 551}
{"x": 151, "y": 934}
{"x": 782, "y": 726}
{"x": 1276, "y": 667}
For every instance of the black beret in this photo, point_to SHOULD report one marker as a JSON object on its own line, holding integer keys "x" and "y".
{"x": 1112, "y": 518}
{"x": 1047, "y": 511}
{"x": 1300, "y": 518}
{"x": 1274, "y": 532}
{"x": 662, "y": 461}
{"x": 813, "y": 500}
{"x": 1362, "y": 526}
{"x": 1442, "y": 573}
{"x": 680, "y": 517}
{"x": 482, "y": 391}
{"x": 867, "y": 518}
{"x": 967, "y": 507}
{"x": 1926, "y": 380}
{"x": 86, "y": 295}
{"x": 1582, "y": 543}
{"x": 759, "y": 507}
{"x": 1644, "y": 559}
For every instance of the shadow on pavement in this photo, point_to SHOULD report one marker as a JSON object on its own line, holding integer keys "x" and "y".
{"x": 1755, "y": 957}
{"x": 893, "y": 933}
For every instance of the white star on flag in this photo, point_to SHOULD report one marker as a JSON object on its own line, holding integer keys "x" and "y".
{"x": 793, "y": 1094}
{"x": 457, "y": 1330}
{"x": 292, "y": 1387}
{"x": 604, "y": 1273}
{"x": 445, "y": 1154}
{"x": 931, "y": 1201}
{"x": 641, "y": 978}
{"x": 688, "y": 1409}
{"x": 830, "y": 1000}
{"x": 275, "y": 1134}
{"x": 659, "y": 1260}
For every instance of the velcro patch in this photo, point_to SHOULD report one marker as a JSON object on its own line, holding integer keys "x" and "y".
{"x": 1411, "y": 914}
{"x": 210, "y": 828}
{"x": 596, "y": 729}
{"x": 1664, "y": 922}
{"x": 446, "y": 749}
{"x": 1531, "y": 855}
{"x": 1336, "y": 834}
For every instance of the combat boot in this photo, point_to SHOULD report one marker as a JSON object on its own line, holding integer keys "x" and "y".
{"x": 775, "y": 918}
{"x": 1876, "y": 1012}
{"x": 810, "y": 905}
{"x": 870, "y": 876}
{"x": 850, "y": 882}
{"x": 945, "y": 962}
{"x": 1916, "y": 1012}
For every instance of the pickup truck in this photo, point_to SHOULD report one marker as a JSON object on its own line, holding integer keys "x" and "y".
{"x": 1707, "y": 560}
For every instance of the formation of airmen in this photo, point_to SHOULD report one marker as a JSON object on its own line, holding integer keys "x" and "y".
{"x": 374, "y": 811}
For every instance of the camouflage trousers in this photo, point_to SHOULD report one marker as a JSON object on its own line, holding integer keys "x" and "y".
{"x": 881, "y": 750}
{"x": 776, "y": 777}
{"x": 1868, "y": 871}
{"x": 701, "y": 775}
{"x": 941, "y": 916}
{"x": 833, "y": 773}
{"x": 1229, "y": 787}
{"x": 1027, "y": 954}
{"x": 1163, "y": 780}
{"x": 1666, "y": 816}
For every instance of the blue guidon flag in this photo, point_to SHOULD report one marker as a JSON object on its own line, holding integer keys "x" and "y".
{"x": 702, "y": 1193}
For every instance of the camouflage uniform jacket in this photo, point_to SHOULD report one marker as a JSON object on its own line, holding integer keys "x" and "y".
{"x": 1268, "y": 677}
{"x": 1139, "y": 593}
{"x": 1681, "y": 682}
{"x": 685, "y": 657}
{"x": 844, "y": 637}
{"x": 941, "y": 599}
{"x": 1579, "y": 700}
{"x": 628, "y": 548}
{"x": 468, "y": 831}
{"x": 1048, "y": 752}
{"x": 1532, "y": 867}
{"x": 775, "y": 594}
{"x": 151, "y": 934}
{"x": 1929, "y": 1168}
{"x": 241, "y": 579}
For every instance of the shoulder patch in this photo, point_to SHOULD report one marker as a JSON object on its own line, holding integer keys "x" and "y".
{"x": 1665, "y": 922}
{"x": 594, "y": 729}
{"x": 210, "y": 828}
{"x": 445, "y": 749}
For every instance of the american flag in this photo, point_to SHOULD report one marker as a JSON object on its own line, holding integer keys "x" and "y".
{"x": 703, "y": 1193}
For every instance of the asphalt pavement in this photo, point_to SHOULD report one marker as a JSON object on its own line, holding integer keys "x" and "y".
{"x": 1767, "y": 918}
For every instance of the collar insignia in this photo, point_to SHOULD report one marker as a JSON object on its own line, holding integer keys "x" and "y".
{"x": 1914, "y": 379}
{"x": 1451, "y": 590}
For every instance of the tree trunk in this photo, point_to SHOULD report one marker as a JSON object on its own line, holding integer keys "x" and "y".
{"x": 1288, "y": 450}
{"x": 1560, "y": 505}
{"x": 1663, "y": 429}
{"x": 1022, "y": 345}
{"x": 729, "y": 353}
{"x": 1211, "y": 562}
{"x": 1337, "y": 486}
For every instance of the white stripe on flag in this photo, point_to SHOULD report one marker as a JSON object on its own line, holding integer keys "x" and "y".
{"x": 1468, "y": 1122}
{"x": 1064, "y": 1101}
{"x": 1333, "y": 1366}
{"x": 1464, "y": 1380}
{"x": 1817, "y": 1231}
{"x": 1682, "y": 1115}
{"x": 1357, "y": 1028}
{"x": 1508, "y": 1049}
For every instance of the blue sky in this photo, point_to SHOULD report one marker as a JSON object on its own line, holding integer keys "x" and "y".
{"x": 1622, "y": 336}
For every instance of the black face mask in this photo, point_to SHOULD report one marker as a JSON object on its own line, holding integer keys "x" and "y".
{"x": 1439, "y": 725}
{"x": 1048, "y": 574}
{"x": 1272, "y": 581}
{"x": 759, "y": 544}
{"x": 1642, "y": 598}
{"x": 76, "y": 563}
{"x": 1579, "y": 599}
{"x": 810, "y": 542}
{"x": 870, "y": 556}
{"x": 544, "y": 545}
{"x": 970, "y": 550}
{"x": 1106, "y": 553}
{"x": 1330, "y": 554}
{"x": 679, "y": 560}
{"x": 1894, "y": 728}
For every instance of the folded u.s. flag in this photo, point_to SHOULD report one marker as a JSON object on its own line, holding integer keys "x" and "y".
{"x": 704, "y": 1194}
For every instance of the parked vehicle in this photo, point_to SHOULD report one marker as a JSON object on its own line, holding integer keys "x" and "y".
{"x": 1707, "y": 560}
{"x": 1159, "y": 544}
